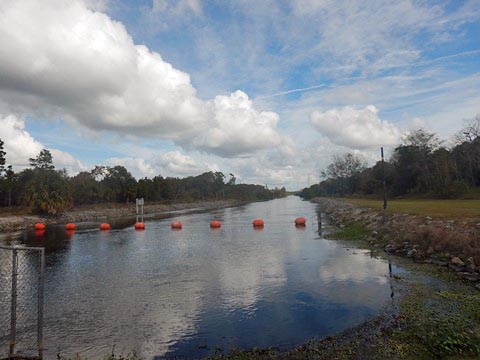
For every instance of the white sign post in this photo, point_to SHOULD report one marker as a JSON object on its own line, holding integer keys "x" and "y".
{"x": 139, "y": 204}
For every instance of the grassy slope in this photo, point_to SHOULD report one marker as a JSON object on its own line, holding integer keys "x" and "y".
{"x": 434, "y": 208}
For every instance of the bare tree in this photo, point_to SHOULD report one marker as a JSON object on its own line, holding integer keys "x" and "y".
{"x": 469, "y": 132}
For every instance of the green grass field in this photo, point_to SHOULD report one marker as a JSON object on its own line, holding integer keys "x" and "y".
{"x": 434, "y": 208}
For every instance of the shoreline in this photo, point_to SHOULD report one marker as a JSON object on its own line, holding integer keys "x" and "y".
{"x": 435, "y": 310}
{"x": 443, "y": 242}
{"x": 97, "y": 212}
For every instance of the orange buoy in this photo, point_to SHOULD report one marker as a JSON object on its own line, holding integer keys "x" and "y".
{"x": 39, "y": 233}
{"x": 176, "y": 225}
{"x": 69, "y": 233}
{"x": 215, "y": 224}
{"x": 104, "y": 226}
{"x": 70, "y": 226}
{"x": 300, "y": 221}
{"x": 140, "y": 225}
{"x": 39, "y": 226}
{"x": 258, "y": 223}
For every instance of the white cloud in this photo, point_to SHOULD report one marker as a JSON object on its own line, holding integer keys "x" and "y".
{"x": 61, "y": 59}
{"x": 20, "y": 146}
{"x": 176, "y": 163}
{"x": 417, "y": 123}
{"x": 171, "y": 163}
{"x": 65, "y": 160}
{"x": 139, "y": 168}
{"x": 239, "y": 129}
{"x": 177, "y": 6}
{"x": 97, "y": 5}
{"x": 356, "y": 129}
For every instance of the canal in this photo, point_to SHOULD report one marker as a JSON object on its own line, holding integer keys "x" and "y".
{"x": 194, "y": 291}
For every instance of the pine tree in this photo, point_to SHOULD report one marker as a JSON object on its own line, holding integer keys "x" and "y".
{"x": 43, "y": 160}
{"x": 2, "y": 158}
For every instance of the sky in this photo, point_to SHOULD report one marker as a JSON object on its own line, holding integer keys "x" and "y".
{"x": 267, "y": 90}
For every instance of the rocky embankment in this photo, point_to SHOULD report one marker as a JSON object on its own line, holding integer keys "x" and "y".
{"x": 444, "y": 242}
{"x": 94, "y": 213}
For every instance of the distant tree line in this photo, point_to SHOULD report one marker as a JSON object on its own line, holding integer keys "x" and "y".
{"x": 421, "y": 165}
{"x": 47, "y": 190}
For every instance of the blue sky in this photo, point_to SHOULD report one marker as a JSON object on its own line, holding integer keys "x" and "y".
{"x": 268, "y": 90}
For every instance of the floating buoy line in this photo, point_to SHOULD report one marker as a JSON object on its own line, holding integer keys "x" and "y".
{"x": 257, "y": 224}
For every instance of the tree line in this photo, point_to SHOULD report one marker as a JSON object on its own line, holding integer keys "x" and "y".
{"x": 44, "y": 189}
{"x": 421, "y": 165}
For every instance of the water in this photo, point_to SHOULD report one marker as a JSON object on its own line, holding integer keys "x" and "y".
{"x": 188, "y": 293}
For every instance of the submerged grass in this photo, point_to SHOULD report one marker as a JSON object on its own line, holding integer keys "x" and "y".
{"x": 355, "y": 231}
{"x": 439, "y": 324}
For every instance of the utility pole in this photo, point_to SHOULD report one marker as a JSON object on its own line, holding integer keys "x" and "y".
{"x": 384, "y": 181}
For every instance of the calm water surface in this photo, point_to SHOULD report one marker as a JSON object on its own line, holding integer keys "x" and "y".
{"x": 185, "y": 293}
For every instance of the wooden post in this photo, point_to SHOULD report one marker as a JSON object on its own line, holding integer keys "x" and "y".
{"x": 13, "y": 305}
{"x": 384, "y": 182}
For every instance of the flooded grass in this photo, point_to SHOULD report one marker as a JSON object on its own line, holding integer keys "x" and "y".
{"x": 355, "y": 231}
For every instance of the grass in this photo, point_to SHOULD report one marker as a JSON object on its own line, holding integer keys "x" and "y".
{"x": 355, "y": 231}
{"x": 434, "y": 208}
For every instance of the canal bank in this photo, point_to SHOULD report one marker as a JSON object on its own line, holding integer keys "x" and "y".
{"x": 89, "y": 213}
{"x": 199, "y": 291}
{"x": 452, "y": 243}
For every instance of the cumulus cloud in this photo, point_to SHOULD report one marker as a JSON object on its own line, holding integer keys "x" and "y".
{"x": 97, "y": 5}
{"x": 239, "y": 129}
{"x": 171, "y": 163}
{"x": 63, "y": 59}
{"x": 139, "y": 167}
{"x": 176, "y": 163}
{"x": 20, "y": 146}
{"x": 355, "y": 128}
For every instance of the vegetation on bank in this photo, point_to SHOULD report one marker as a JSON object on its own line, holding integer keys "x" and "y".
{"x": 421, "y": 166}
{"x": 419, "y": 237}
{"x": 46, "y": 190}
{"x": 432, "y": 322}
{"x": 445, "y": 208}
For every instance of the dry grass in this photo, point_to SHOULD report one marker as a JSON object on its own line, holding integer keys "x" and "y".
{"x": 435, "y": 208}
{"x": 438, "y": 240}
